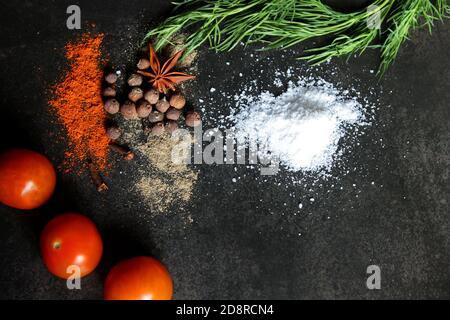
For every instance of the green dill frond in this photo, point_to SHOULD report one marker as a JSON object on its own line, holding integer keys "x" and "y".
{"x": 224, "y": 24}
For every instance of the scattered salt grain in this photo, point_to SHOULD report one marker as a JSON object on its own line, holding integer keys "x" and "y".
{"x": 300, "y": 128}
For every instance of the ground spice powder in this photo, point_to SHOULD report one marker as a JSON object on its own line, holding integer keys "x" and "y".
{"x": 163, "y": 183}
{"x": 78, "y": 104}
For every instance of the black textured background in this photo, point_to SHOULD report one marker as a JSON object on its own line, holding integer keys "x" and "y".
{"x": 244, "y": 241}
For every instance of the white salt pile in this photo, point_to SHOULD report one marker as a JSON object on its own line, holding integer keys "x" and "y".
{"x": 302, "y": 127}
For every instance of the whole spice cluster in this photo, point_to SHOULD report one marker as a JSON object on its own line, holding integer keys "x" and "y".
{"x": 152, "y": 97}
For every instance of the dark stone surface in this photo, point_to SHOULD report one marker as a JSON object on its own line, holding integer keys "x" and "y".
{"x": 244, "y": 241}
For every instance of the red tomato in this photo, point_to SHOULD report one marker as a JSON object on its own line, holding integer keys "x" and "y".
{"x": 27, "y": 179}
{"x": 140, "y": 278}
{"x": 71, "y": 239}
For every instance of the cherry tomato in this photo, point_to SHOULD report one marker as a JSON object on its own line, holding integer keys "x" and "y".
{"x": 27, "y": 179}
{"x": 71, "y": 239}
{"x": 140, "y": 278}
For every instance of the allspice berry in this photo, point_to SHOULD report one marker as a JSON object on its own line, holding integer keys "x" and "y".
{"x": 144, "y": 108}
{"x": 109, "y": 92}
{"x": 193, "y": 119}
{"x": 155, "y": 116}
{"x": 151, "y": 96}
{"x": 162, "y": 105}
{"x": 128, "y": 111}
{"x": 173, "y": 114}
{"x": 113, "y": 133}
{"x": 111, "y": 78}
{"x": 143, "y": 64}
{"x": 171, "y": 126}
{"x": 158, "y": 129}
{"x": 112, "y": 106}
{"x": 136, "y": 94}
{"x": 135, "y": 80}
{"x": 177, "y": 101}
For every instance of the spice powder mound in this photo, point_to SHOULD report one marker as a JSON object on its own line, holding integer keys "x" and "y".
{"x": 79, "y": 107}
{"x": 164, "y": 182}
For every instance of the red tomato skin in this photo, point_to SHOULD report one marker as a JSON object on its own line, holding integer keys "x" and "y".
{"x": 27, "y": 179}
{"x": 139, "y": 278}
{"x": 79, "y": 244}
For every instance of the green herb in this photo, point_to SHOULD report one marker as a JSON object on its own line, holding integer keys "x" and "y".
{"x": 223, "y": 24}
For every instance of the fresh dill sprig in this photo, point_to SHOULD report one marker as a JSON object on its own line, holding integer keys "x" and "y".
{"x": 406, "y": 17}
{"x": 223, "y": 24}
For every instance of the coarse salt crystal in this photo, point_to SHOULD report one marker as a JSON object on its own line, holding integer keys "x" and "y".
{"x": 302, "y": 127}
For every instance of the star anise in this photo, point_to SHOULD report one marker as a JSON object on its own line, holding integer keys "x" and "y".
{"x": 162, "y": 78}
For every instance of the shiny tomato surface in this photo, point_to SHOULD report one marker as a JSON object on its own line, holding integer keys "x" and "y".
{"x": 139, "y": 278}
{"x": 71, "y": 239}
{"x": 27, "y": 179}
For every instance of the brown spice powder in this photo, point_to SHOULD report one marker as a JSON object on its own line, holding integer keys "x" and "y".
{"x": 169, "y": 182}
{"x": 79, "y": 107}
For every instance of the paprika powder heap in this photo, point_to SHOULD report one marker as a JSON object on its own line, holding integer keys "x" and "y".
{"x": 78, "y": 104}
